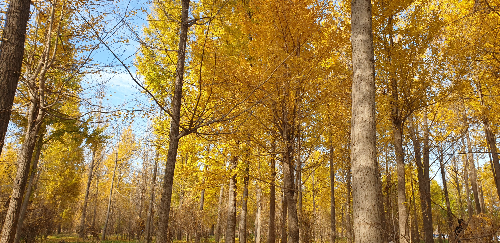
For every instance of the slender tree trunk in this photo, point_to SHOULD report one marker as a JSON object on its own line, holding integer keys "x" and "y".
{"x": 289, "y": 187}
{"x": 459, "y": 187}
{"x": 366, "y": 186}
{"x": 402, "y": 211}
{"x": 11, "y": 60}
{"x": 174, "y": 136}
{"x": 284, "y": 209}
{"x": 149, "y": 220}
{"x": 272, "y": 200}
{"x": 388, "y": 203}
{"x": 446, "y": 195}
{"x": 31, "y": 184}
{"x": 423, "y": 180}
{"x": 427, "y": 216}
{"x": 244, "y": 211}
{"x": 258, "y": 219}
{"x": 473, "y": 174}
{"x": 199, "y": 230}
{"x": 36, "y": 112}
{"x": 202, "y": 200}
{"x": 470, "y": 211}
{"x": 333, "y": 228}
{"x": 85, "y": 200}
{"x": 415, "y": 232}
{"x": 350, "y": 231}
{"x": 231, "y": 205}
{"x": 490, "y": 140}
{"x": 219, "y": 215}
{"x": 298, "y": 185}
{"x": 19, "y": 186}
{"x": 481, "y": 199}
{"x": 110, "y": 200}
{"x": 95, "y": 202}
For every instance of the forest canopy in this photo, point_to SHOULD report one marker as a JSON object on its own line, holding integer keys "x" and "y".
{"x": 250, "y": 121}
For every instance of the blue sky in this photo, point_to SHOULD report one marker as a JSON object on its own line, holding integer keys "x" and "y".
{"x": 120, "y": 91}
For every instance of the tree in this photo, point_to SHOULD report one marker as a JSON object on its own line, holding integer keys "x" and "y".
{"x": 11, "y": 59}
{"x": 366, "y": 184}
{"x": 38, "y": 81}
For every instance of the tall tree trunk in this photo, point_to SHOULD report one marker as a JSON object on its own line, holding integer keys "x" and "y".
{"x": 96, "y": 198}
{"x": 415, "y": 232}
{"x": 174, "y": 136}
{"x": 110, "y": 200}
{"x": 298, "y": 185}
{"x": 458, "y": 187}
{"x": 35, "y": 115}
{"x": 333, "y": 228}
{"x": 219, "y": 215}
{"x": 284, "y": 209}
{"x": 81, "y": 230}
{"x": 11, "y": 59}
{"x": 350, "y": 227}
{"x": 272, "y": 199}
{"x": 446, "y": 195}
{"x": 258, "y": 217}
{"x": 402, "y": 213}
{"x": 231, "y": 204}
{"x": 428, "y": 229}
{"x": 490, "y": 140}
{"x": 470, "y": 211}
{"x": 31, "y": 184}
{"x": 366, "y": 186}
{"x": 473, "y": 174}
{"x": 388, "y": 202}
{"x": 481, "y": 199}
{"x": 149, "y": 220}
{"x": 35, "y": 119}
{"x": 423, "y": 179}
{"x": 244, "y": 211}
{"x": 289, "y": 187}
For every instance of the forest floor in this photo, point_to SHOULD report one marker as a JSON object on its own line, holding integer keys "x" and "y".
{"x": 73, "y": 238}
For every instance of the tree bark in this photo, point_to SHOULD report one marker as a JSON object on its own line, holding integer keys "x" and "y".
{"x": 85, "y": 200}
{"x": 473, "y": 174}
{"x": 96, "y": 198}
{"x": 284, "y": 209}
{"x": 402, "y": 213}
{"x": 415, "y": 233}
{"x": 350, "y": 231}
{"x": 458, "y": 187}
{"x": 428, "y": 229}
{"x": 110, "y": 197}
{"x": 258, "y": 220}
{"x": 219, "y": 215}
{"x": 423, "y": 179}
{"x": 174, "y": 136}
{"x": 490, "y": 139}
{"x": 11, "y": 60}
{"x": 366, "y": 186}
{"x": 244, "y": 209}
{"x": 470, "y": 211}
{"x": 289, "y": 187}
{"x": 149, "y": 220}
{"x": 272, "y": 199}
{"x": 231, "y": 205}
{"x": 333, "y": 228}
{"x": 446, "y": 195}
{"x": 31, "y": 184}
{"x": 35, "y": 119}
